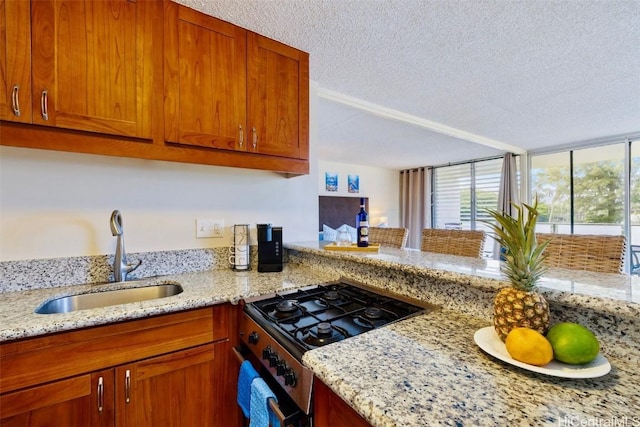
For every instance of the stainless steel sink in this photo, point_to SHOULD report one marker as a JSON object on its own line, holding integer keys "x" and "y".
{"x": 104, "y": 299}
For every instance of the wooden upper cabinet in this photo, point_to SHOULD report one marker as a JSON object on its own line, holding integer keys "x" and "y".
{"x": 15, "y": 61}
{"x": 278, "y": 98}
{"x": 205, "y": 80}
{"x": 92, "y": 65}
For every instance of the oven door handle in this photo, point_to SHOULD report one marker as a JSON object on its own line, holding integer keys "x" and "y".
{"x": 272, "y": 402}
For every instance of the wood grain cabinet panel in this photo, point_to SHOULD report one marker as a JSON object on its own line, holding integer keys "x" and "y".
{"x": 170, "y": 370}
{"x": 91, "y": 63}
{"x": 169, "y": 390}
{"x": 331, "y": 411}
{"x": 229, "y": 88}
{"x": 205, "y": 74}
{"x": 15, "y": 61}
{"x": 84, "y": 400}
{"x": 278, "y": 92}
{"x": 150, "y": 79}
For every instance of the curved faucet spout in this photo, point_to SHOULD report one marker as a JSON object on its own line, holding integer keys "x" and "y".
{"x": 116, "y": 223}
{"x": 120, "y": 266}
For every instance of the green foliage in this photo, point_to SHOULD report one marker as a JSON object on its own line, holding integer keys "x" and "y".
{"x": 598, "y": 192}
{"x": 524, "y": 256}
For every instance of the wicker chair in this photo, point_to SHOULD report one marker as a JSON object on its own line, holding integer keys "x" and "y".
{"x": 453, "y": 242}
{"x": 392, "y": 237}
{"x": 602, "y": 254}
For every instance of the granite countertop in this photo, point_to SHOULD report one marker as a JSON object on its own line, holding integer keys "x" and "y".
{"x": 200, "y": 289}
{"x": 427, "y": 371}
{"x": 614, "y": 293}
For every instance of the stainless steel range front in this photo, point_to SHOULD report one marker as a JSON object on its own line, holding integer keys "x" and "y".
{"x": 278, "y": 330}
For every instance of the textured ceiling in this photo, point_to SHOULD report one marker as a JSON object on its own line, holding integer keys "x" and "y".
{"x": 407, "y": 83}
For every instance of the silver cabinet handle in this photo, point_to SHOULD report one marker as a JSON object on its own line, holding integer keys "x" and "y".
{"x": 241, "y": 135}
{"x": 100, "y": 394}
{"x": 15, "y": 100}
{"x": 255, "y": 137}
{"x": 127, "y": 386}
{"x": 44, "y": 108}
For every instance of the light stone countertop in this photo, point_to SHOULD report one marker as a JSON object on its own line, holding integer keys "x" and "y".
{"x": 615, "y": 293}
{"x": 428, "y": 371}
{"x": 200, "y": 289}
{"x": 418, "y": 372}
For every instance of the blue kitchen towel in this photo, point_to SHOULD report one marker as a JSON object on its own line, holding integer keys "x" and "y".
{"x": 261, "y": 413}
{"x": 245, "y": 378}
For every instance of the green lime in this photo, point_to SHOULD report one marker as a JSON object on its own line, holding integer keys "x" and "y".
{"x": 572, "y": 343}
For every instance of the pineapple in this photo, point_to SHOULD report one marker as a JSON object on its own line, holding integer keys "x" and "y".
{"x": 520, "y": 305}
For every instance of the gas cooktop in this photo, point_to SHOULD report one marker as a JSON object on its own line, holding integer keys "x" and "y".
{"x": 312, "y": 317}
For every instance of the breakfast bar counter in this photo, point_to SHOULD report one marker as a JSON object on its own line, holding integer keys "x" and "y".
{"x": 428, "y": 370}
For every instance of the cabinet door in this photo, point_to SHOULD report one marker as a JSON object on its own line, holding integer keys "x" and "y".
{"x": 183, "y": 388}
{"x": 85, "y": 400}
{"x": 332, "y": 411}
{"x": 92, "y": 65}
{"x": 15, "y": 61}
{"x": 205, "y": 75}
{"x": 278, "y": 98}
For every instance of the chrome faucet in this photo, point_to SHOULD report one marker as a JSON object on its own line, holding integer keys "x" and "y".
{"x": 120, "y": 266}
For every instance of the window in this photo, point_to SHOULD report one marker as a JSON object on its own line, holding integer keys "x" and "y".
{"x": 591, "y": 191}
{"x": 462, "y": 192}
{"x": 633, "y": 240}
{"x": 580, "y": 191}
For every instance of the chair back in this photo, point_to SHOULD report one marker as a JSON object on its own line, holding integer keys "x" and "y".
{"x": 586, "y": 252}
{"x": 389, "y": 236}
{"x": 453, "y": 242}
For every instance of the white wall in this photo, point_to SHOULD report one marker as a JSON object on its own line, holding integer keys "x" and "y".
{"x": 57, "y": 204}
{"x": 380, "y": 185}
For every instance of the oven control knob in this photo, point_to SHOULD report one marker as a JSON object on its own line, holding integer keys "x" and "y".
{"x": 281, "y": 368}
{"x": 290, "y": 378}
{"x": 253, "y": 338}
{"x": 266, "y": 353}
{"x": 273, "y": 360}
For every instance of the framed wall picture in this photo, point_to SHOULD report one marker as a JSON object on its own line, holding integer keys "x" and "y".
{"x": 353, "y": 183}
{"x": 331, "y": 181}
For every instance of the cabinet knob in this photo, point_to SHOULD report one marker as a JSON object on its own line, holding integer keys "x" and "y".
{"x": 255, "y": 137}
{"x": 241, "y": 136}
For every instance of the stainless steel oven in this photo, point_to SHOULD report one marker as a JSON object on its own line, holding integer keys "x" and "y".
{"x": 276, "y": 331}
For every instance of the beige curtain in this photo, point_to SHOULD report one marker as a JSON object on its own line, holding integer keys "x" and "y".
{"x": 415, "y": 203}
{"x": 508, "y": 191}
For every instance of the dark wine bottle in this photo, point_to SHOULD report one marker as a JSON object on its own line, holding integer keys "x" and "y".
{"x": 362, "y": 225}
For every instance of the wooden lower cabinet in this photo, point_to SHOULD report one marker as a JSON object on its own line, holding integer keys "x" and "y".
{"x": 331, "y": 411}
{"x": 71, "y": 402}
{"x": 171, "y": 391}
{"x": 192, "y": 386}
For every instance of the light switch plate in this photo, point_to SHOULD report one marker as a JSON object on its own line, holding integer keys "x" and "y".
{"x": 206, "y": 228}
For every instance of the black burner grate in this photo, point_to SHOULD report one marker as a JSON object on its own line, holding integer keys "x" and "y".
{"x": 311, "y": 318}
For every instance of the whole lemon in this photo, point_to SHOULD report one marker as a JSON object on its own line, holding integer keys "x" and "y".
{"x": 573, "y": 343}
{"x": 529, "y": 346}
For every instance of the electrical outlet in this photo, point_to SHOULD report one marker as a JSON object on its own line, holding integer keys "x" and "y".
{"x": 218, "y": 228}
{"x": 209, "y": 228}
